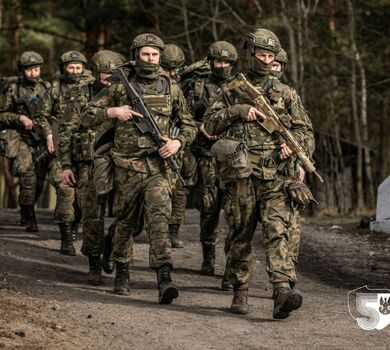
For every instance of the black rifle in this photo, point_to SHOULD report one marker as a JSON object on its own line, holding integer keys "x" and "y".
{"x": 45, "y": 153}
{"x": 147, "y": 125}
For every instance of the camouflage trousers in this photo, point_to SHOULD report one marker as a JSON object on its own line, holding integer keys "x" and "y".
{"x": 92, "y": 212}
{"x": 295, "y": 236}
{"x": 210, "y": 200}
{"x": 250, "y": 200}
{"x": 180, "y": 192}
{"x": 179, "y": 202}
{"x": 64, "y": 210}
{"x": 32, "y": 177}
{"x": 155, "y": 191}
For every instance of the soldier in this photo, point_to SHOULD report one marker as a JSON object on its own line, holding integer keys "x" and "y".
{"x": 93, "y": 209}
{"x": 263, "y": 195}
{"x": 71, "y": 87}
{"x": 222, "y": 56}
{"x": 172, "y": 60}
{"x": 278, "y": 70}
{"x": 20, "y": 102}
{"x": 140, "y": 175}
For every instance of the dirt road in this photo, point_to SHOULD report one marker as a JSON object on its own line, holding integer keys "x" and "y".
{"x": 46, "y": 304}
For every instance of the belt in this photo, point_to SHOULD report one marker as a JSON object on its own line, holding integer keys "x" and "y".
{"x": 266, "y": 162}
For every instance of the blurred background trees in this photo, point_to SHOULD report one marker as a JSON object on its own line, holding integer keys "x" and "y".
{"x": 339, "y": 63}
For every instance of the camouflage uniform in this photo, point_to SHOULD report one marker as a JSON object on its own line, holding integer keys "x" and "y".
{"x": 172, "y": 61}
{"x": 203, "y": 92}
{"x": 22, "y": 97}
{"x": 295, "y": 229}
{"x": 262, "y": 195}
{"x": 140, "y": 176}
{"x": 68, "y": 92}
{"x": 93, "y": 208}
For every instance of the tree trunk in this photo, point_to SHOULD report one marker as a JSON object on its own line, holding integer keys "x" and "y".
{"x": 186, "y": 29}
{"x": 14, "y": 39}
{"x": 292, "y": 44}
{"x": 300, "y": 86}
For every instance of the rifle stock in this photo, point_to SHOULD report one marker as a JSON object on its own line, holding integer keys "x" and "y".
{"x": 272, "y": 122}
{"x": 147, "y": 124}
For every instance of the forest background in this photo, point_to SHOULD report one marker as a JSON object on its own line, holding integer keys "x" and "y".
{"x": 339, "y": 64}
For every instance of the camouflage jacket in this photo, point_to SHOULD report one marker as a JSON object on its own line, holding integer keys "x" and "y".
{"x": 166, "y": 103}
{"x": 63, "y": 95}
{"x": 200, "y": 97}
{"x": 20, "y": 98}
{"x": 226, "y": 118}
{"x": 65, "y": 118}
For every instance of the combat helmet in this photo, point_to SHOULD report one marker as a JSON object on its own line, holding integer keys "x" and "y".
{"x": 172, "y": 57}
{"x": 146, "y": 39}
{"x": 104, "y": 61}
{"x": 71, "y": 56}
{"x": 262, "y": 38}
{"x": 28, "y": 59}
{"x": 222, "y": 50}
{"x": 282, "y": 57}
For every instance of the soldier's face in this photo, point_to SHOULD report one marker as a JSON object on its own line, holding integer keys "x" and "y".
{"x": 103, "y": 78}
{"x": 74, "y": 68}
{"x": 149, "y": 54}
{"x": 276, "y": 66}
{"x": 221, "y": 64}
{"x": 32, "y": 72}
{"x": 264, "y": 56}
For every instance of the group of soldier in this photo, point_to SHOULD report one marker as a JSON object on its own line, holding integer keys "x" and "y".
{"x": 85, "y": 121}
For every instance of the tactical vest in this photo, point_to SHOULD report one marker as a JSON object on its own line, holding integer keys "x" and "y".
{"x": 131, "y": 148}
{"x": 26, "y": 100}
{"x": 72, "y": 98}
{"x": 204, "y": 93}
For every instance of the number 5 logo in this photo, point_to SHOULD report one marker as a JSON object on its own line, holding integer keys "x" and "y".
{"x": 370, "y": 307}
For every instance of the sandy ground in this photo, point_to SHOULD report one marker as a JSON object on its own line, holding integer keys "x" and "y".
{"x": 45, "y": 302}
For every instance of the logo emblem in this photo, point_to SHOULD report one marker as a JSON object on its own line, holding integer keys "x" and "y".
{"x": 224, "y": 53}
{"x": 370, "y": 307}
{"x": 271, "y": 42}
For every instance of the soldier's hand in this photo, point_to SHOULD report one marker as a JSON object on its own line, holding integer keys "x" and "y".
{"x": 49, "y": 143}
{"x": 123, "y": 113}
{"x": 254, "y": 114}
{"x": 207, "y": 135}
{"x": 68, "y": 178}
{"x": 26, "y": 122}
{"x": 302, "y": 174}
{"x": 170, "y": 148}
{"x": 285, "y": 151}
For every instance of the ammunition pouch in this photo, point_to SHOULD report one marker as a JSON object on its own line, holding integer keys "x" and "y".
{"x": 9, "y": 143}
{"x": 103, "y": 175}
{"x": 232, "y": 160}
{"x": 83, "y": 146}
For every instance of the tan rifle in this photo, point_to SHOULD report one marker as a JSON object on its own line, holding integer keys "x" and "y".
{"x": 272, "y": 122}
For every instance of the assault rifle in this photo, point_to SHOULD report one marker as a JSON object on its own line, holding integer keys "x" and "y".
{"x": 272, "y": 122}
{"x": 43, "y": 155}
{"x": 147, "y": 125}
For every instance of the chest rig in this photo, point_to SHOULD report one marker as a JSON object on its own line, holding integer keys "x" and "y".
{"x": 132, "y": 149}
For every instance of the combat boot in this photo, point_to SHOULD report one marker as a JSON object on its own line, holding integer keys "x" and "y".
{"x": 121, "y": 286}
{"x": 225, "y": 284}
{"x": 174, "y": 236}
{"x": 31, "y": 220}
{"x": 285, "y": 301}
{"x": 240, "y": 302}
{"x": 67, "y": 247}
{"x": 23, "y": 215}
{"x": 94, "y": 276}
{"x": 208, "y": 267}
{"x": 167, "y": 290}
{"x": 75, "y": 230}
{"x": 107, "y": 262}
